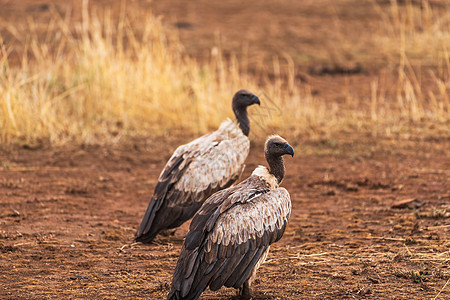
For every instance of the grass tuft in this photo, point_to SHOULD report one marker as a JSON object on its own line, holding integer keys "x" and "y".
{"x": 100, "y": 81}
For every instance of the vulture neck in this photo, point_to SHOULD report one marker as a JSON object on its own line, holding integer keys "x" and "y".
{"x": 242, "y": 119}
{"x": 276, "y": 166}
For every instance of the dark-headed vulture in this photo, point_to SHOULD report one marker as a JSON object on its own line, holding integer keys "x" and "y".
{"x": 229, "y": 237}
{"x": 198, "y": 169}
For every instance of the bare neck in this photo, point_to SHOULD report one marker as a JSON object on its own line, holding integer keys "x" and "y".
{"x": 242, "y": 119}
{"x": 276, "y": 166}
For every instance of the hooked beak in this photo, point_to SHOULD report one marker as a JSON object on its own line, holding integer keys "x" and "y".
{"x": 256, "y": 100}
{"x": 288, "y": 149}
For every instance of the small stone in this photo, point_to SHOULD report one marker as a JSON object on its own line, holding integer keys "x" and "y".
{"x": 408, "y": 203}
{"x": 78, "y": 277}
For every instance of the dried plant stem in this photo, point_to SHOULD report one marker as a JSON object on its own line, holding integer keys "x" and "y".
{"x": 441, "y": 289}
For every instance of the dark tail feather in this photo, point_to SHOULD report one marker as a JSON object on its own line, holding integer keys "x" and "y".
{"x": 144, "y": 233}
{"x": 155, "y": 221}
{"x": 174, "y": 295}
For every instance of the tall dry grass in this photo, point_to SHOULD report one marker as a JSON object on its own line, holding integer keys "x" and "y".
{"x": 409, "y": 44}
{"x": 415, "y": 40}
{"x": 103, "y": 81}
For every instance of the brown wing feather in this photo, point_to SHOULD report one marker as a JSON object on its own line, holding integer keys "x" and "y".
{"x": 161, "y": 214}
{"x": 184, "y": 184}
{"x": 228, "y": 236}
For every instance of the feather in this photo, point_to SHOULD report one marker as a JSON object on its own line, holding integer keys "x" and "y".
{"x": 249, "y": 268}
{"x": 191, "y": 261}
{"x": 195, "y": 171}
{"x": 232, "y": 233}
{"x": 239, "y": 270}
{"x": 220, "y": 277}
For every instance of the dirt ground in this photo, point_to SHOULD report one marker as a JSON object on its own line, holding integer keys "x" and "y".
{"x": 68, "y": 216}
{"x": 68, "y": 213}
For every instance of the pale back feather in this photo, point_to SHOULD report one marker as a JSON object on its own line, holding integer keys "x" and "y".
{"x": 262, "y": 214}
{"x": 195, "y": 171}
{"x": 214, "y": 159}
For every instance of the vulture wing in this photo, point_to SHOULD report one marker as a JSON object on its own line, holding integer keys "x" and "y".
{"x": 229, "y": 237}
{"x": 195, "y": 171}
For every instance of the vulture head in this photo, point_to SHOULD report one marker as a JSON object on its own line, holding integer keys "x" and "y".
{"x": 274, "y": 150}
{"x": 244, "y": 98}
{"x": 241, "y": 100}
{"x": 277, "y": 146}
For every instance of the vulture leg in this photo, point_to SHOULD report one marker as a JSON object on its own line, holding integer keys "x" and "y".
{"x": 245, "y": 291}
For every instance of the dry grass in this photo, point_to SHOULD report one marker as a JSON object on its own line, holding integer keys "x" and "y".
{"x": 414, "y": 38}
{"x": 102, "y": 81}
{"x": 414, "y": 30}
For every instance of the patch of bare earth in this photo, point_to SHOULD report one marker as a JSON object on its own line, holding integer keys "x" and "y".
{"x": 68, "y": 216}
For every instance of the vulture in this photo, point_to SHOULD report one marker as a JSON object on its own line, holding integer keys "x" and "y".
{"x": 198, "y": 169}
{"x": 229, "y": 237}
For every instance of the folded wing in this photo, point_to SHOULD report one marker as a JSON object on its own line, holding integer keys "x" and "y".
{"x": 229, "y": 237}
{"x": 195, "y": 171}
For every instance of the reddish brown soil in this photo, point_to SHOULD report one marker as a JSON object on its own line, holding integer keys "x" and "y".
{"x": 68, "y": 214}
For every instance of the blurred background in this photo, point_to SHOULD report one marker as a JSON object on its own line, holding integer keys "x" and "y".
{"x": 101, "y": 71}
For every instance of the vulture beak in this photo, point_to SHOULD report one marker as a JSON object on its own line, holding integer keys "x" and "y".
{"x": 289, "y": 150}
{"x": 256, "y": 100}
